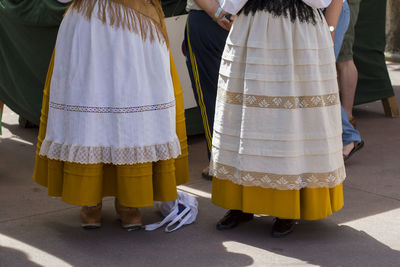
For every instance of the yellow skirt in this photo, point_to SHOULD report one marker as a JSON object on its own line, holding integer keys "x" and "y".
{"x": 135, "y": 185}
{"x": 307, "y": 203}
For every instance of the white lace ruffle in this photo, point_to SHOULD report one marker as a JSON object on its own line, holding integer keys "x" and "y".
{"x": 112, "y": 155}
{"x": 278, "y": 181}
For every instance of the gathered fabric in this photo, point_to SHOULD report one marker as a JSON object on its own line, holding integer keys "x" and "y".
{"x": 135, "y": 185}
{"x": 277, "y": 126}
{"x": 112, "y": 119}
{"x": 139, "y": 16}
{"x": 111, "y": 98}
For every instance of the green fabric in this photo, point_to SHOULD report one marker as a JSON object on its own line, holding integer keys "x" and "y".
{"x": 28, "y": 30}
{"x": 194, "y": 122}
{"x": 173, "y": 7}
{"x": 373, "y": 77}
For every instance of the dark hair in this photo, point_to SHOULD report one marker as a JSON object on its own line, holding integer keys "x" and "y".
{"x": 294, "y": 9}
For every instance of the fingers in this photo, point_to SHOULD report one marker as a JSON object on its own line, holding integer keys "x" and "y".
{"x": 225, "y": 20}
{"x": 225, "y": 24}
{"x": 222, "y": 14}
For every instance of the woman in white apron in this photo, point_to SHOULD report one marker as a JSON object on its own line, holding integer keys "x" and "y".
{"x": 277, "y": 145}
{"x": 112, "y": 119}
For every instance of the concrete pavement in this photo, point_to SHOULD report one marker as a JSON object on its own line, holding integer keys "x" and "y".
{"x": 36, "y": 230}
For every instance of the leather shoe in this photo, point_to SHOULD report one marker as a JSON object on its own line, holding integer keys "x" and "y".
{"x": 131, "y": 218}
{"x": 232, "y": 219}
{"x": 282, "y": 227}
{"x": 91, "y": 216}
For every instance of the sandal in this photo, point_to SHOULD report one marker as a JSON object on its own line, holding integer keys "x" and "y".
{"x": 353, "y": 122}
{"x": 356, "y": 148}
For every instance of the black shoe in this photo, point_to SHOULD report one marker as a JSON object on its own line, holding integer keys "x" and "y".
{"x": 24, "y": 123}
{"x": 232, "y": 219}
{"x": 206, "y": 175}
{"x": 282, "y": 227}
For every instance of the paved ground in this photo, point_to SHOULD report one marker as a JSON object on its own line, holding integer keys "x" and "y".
{"x": 36, "y": 230}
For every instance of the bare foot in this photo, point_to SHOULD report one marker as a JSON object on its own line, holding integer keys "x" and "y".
{"x": 351, "y": 148}
{"x": 206, "y": 170}
{"x": 348, "y": 148}
{"x": 206, "y": 174}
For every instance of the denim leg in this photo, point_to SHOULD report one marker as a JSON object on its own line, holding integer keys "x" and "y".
{"x": 342, "y": 25}
{"x": 349, "y": 133}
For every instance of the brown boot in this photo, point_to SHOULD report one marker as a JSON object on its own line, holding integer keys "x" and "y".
{"x": 130, "y": 217}
{"x": 91, "y": 216}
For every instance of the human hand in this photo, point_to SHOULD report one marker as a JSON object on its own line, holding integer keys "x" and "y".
{"x": 225, "y": 20}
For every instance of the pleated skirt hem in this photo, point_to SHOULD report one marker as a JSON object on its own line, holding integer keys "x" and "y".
{"x": 306, "y": 203}
{"x": 135, "y": 185}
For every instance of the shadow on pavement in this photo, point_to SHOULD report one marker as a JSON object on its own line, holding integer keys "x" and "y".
{"x": 372, "y": 188}
{"x": 14, "y": 257}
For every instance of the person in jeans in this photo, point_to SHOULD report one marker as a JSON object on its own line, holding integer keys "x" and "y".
{"x": 347, "y": 70}
{"x": 351, "y": 137}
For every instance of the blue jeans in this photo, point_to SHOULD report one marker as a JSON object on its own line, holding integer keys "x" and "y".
{"x": 349, "y": 133}
{"x": 341, "y": 28}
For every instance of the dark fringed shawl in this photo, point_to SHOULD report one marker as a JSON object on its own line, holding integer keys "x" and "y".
{"x": 294, "y": 9}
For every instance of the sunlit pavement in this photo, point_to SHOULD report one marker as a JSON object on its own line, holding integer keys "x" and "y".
{"x": 36, "y": 230}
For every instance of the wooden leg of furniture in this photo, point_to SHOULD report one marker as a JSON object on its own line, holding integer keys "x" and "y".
{"x": 390, "y": 107}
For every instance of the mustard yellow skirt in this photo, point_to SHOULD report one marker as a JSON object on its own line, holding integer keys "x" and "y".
{"x": 307, "y": 203}
{"x": 135, "y": 185}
